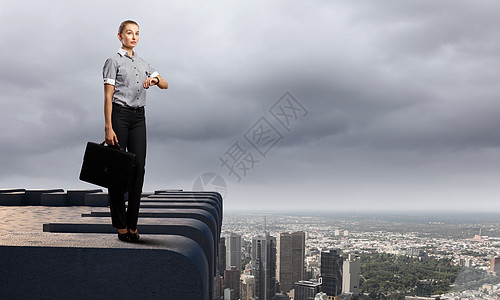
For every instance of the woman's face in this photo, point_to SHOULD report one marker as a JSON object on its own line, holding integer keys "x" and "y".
{"x": 129, "y": 36}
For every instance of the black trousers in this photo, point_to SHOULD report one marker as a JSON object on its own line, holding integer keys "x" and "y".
{"x": 129, "y": 125}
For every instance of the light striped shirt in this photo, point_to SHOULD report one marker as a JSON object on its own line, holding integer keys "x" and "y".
{"x": 127, "y": 74}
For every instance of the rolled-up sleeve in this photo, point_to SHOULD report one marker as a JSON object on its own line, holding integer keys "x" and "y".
{"x": 109, "y": 71}
{"x": 154, "y": 74}
{"x": 152, "y": 71}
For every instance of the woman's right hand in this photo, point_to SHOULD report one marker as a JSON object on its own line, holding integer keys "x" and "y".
{"x": 111, "y": 137}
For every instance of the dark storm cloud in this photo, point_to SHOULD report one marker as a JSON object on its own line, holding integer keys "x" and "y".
{"x": 398, "y": 93}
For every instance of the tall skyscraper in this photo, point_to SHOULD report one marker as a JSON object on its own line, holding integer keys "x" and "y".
{"x": 264, "y": 266}
{"x": 233, "y": 251}
{"x": 221, "y": 265}
{"x": 350, "y": 276}
{"x": 290, "y": 259}
{"x": 331, "y": 272}
{"x": 306, "y": 290}
{"x": 232, "y": 281}
{"x": 218, "y": 288}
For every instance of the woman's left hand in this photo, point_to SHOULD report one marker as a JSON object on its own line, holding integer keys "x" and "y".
{"x": 150, "y": 81}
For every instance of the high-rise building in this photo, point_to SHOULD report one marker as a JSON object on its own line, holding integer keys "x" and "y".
{"x": 229, "y": 294}
{"x": 495, "y": 264}
{"x": 264, "y": 266}
{"x": 416, "y": 252}
{"x": 331, "y": 272}
{"x": 232, "y": 281}
{"x": 247, "y": 285}
{"x": 350, "y": 276}
{"x": 306, "y": 290}
{"x": 233, "y": 251}
{"x": 290, "y": 259}
{"x": 221, "y": 265}
{"x": 218, "y": 288}
{"x": 468, "y": 263}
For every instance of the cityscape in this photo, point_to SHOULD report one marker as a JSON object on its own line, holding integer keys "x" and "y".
{"x": 359, "y": 256}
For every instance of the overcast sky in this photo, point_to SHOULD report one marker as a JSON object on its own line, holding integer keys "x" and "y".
{"x": 397, "y": 103}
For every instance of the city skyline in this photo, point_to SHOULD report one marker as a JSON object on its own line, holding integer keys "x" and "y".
{"x": 395, "y": 102}
{"x": 335, "y": 261}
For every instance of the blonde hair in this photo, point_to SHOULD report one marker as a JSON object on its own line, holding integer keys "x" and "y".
{"x": 125, "y": 23}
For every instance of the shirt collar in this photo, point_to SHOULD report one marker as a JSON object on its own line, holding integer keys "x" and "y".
{"x": 124, "y": 52}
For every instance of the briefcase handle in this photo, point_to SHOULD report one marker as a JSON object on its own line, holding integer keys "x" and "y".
{"x": 114, "y": 146}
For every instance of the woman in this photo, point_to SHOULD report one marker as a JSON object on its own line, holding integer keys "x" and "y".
{"x": 126, "y": 78}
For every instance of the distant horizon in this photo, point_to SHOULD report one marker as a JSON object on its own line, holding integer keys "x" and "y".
{"x": 353, "y": 212}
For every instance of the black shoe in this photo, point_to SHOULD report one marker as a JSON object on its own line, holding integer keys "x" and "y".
{"x": 123, "y": 237}
{"x": 133, "y": 237}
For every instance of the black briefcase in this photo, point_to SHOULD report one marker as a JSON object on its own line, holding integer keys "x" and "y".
{"x": 108, "y": 166}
